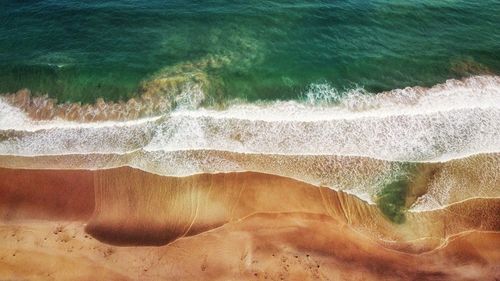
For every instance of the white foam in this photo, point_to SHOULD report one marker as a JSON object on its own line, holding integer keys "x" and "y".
{"x": 451, "y": 120}
{"x": 10, "y": 117}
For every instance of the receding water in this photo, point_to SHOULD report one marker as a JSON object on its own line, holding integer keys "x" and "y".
{"x": 82, "y": 50}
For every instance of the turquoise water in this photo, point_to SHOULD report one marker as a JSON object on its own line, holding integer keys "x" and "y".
{"x": 254, "y": 50}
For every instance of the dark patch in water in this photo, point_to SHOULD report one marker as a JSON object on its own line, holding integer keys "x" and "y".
{"x": 391, "y": 200}
{"x": 392, "y": 197}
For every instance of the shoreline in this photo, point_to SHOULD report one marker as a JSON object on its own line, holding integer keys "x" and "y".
{"x": 126, "y": 200}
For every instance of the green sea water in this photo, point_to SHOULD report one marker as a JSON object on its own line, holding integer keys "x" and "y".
{"x": 252, "y": 50}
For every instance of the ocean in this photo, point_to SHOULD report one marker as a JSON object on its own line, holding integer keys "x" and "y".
{"x": 79, "y": 51}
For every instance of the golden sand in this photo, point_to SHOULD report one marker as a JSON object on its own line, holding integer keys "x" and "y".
{"x": 127, "y": 224}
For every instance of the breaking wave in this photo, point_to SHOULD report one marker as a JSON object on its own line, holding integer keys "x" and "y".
{"x": 353, "y": 144}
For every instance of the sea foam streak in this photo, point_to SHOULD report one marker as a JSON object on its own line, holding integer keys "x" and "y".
{"x": 447, "y": 121}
